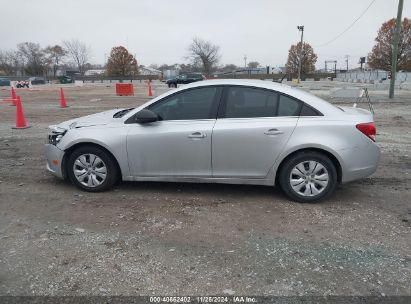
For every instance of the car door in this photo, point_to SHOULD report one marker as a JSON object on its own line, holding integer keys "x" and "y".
{"x": 183, "y": 79}
{"x": 191, "y": 78}
{"x": 179, "y": 144}
{"x": 252, "y": 128}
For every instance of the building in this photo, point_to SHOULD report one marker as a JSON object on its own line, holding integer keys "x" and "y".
{"x": 95, "y": 72}
{"x": 147, "y": 71}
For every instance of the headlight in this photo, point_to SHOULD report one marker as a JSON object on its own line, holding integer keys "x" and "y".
{"x": 56, "y": 135}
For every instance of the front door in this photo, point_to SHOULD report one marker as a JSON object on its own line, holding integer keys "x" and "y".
{"x": 179, "y": 144}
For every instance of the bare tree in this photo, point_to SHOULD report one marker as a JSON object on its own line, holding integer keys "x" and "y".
{"x": 9, "y": 62}
{"x": 204, "y": 53}
{"x": 79, "y": 52}
{"x": 253, "y": 64}
{"x": 34, "y": 57}
{"x": 54, "y": 55}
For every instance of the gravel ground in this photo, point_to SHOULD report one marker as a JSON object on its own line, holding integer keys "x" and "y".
{"x": 197, "y": 239}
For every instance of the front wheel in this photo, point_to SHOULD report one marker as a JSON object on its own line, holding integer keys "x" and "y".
{"x": 92, "y": 169}
{"x": 172, "y": 85}
{"x": 308, "y": 177}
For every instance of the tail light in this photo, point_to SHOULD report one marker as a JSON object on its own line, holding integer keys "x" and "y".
{"x": 368, "y": 129}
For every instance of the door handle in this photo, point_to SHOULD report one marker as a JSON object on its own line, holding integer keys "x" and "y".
{"x": 273, "y": 132}
{"x": 197, "y": 135}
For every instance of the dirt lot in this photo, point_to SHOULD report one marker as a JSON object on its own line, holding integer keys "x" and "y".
{"x": 185, "y": 239}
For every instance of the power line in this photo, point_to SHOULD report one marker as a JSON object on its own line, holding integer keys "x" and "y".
{"x": 349, "y": 27}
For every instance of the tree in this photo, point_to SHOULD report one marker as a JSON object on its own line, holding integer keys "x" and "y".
{"x": 79, "y": 52}
{"x": 204, "y": 53}
{"x": 381, "y": 54}
{"x": 308, "y": 61}
{"x": 253, "y": 64}
{"x": 164, "y": 67}
{"x": 34, "y": 57}
{"x": 228, "y": 68}
{"x": 54, "y": 55}
{"x": 9, "y": 62}
{"x": 121, "y": 62}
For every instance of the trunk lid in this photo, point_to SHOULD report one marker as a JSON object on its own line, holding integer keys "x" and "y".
{"x": 358, "y": 114}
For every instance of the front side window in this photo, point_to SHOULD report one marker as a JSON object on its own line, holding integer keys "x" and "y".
{"x": 197, "y": 103}
{"x": 245, "y": 102}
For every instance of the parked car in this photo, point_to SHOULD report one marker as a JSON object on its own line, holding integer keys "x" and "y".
{"x": 65, "y": 79}
{"x": 36, "y": 80}
{"x": 22, "y": 84}
{"x": 220, "y": 131}
{"x": 184, "y": 79}
{"x": 4, "y": 82}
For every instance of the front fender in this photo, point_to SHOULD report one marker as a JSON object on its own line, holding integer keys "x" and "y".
{"x": 113, "y": 139}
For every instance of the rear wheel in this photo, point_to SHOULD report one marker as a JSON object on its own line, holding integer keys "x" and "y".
{"x": 308, "y": 177}
{"x": 92, "y": 169}
{"x": 172, "y": 85}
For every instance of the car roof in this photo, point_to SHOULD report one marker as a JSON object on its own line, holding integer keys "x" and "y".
{"x": 319, "y": 104}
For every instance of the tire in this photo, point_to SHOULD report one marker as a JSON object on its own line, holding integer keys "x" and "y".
{"x": 100, "y": 173}
{"x": 172, "y": 85}
{"x": 308, "y": 177}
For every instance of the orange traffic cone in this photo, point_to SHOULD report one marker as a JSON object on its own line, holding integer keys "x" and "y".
{"x": 20, "y": 120}
{"x": 150, "y": 92}
{"x": 62, "y": 99}
{"x": 13, "y": 96}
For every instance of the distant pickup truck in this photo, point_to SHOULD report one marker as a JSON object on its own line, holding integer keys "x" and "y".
{"x": 184, "y": 79}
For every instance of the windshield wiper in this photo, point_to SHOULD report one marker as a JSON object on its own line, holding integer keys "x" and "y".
{"x": 122, "y": 113}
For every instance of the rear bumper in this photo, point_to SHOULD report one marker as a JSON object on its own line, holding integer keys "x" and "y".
{"x": 359, "y": 162}
{"x": 54, "y": 157}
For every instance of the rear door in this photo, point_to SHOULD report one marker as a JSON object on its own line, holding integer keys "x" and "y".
{"x": 252, "y": 128}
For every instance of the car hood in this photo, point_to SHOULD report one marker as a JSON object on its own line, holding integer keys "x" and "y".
{"x": 98, "y": 119}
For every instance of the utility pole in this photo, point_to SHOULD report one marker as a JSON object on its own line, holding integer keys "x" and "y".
{"x": 395, "y": 48}
{"x": 346, "y": 60}
{"x": 300, "y": 28}
{"x": 245, "y": 61}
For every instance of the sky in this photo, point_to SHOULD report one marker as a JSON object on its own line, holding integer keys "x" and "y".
{"x": 160, "y": 31}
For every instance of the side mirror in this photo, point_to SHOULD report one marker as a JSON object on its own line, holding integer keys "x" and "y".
{"x": 145, "y": 116}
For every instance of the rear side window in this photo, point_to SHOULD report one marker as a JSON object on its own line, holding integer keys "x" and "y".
{"x": 244, "y": 102}
{"x": 288, "y": 106}
{"x": 309, "y": 111}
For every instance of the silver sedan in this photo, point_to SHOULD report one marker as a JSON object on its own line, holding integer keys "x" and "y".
{"x": 220, "y": 131}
